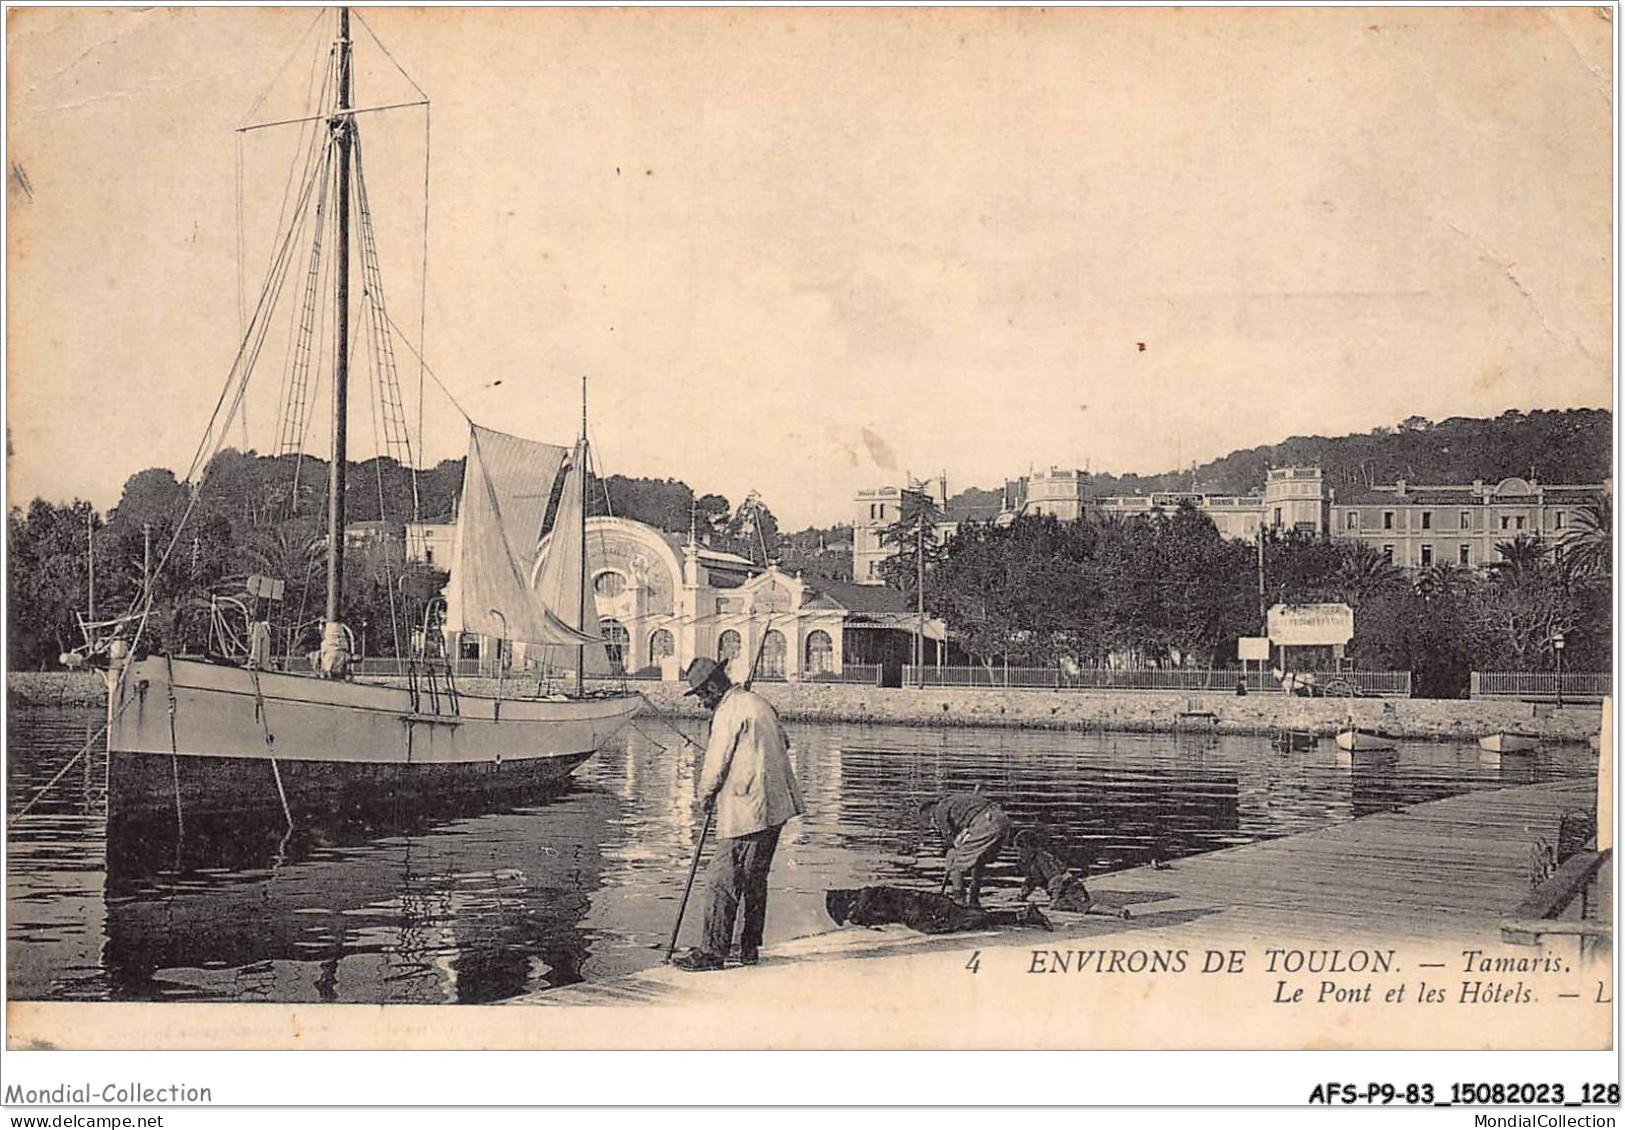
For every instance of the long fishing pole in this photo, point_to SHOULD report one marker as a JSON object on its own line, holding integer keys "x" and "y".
{"x": 688, "y": 887}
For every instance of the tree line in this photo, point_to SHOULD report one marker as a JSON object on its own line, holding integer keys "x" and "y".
{"x": 266, "y": 515}
{"x": 1167, "y": 589}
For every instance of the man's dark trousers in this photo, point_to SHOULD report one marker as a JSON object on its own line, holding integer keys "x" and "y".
{"x": 738, "y": 873}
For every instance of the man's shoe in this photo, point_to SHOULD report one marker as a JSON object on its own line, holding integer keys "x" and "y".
{"x": 749, "y": 957}
{"x": 698, "y": 961}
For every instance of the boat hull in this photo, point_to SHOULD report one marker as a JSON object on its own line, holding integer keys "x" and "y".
{"x": 232, "y": 733}
{"x": 1356, "y": 741}
{"x": 1507, "y": 743}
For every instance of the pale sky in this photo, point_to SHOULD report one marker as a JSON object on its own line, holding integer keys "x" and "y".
{"x": 804, "y": 251}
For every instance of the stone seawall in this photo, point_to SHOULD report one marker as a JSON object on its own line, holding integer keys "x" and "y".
{"x": 1132, "y": 711}
{"x": 1150, "y": 711}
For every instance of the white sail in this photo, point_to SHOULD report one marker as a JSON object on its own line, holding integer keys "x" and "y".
{"x": 561, "y": 576}
{"x": 507, "y": 482}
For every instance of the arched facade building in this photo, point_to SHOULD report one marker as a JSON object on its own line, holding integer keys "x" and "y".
{"x": 661, "y": 601}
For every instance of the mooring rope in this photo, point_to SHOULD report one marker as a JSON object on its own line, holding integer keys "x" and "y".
{"x": 72, "y": 761}
{"x": 174, "y": 749}
{"x": 662, "y": 719}
{"x": 270, "y": 742}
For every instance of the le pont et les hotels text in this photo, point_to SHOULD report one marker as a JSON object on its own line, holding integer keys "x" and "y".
{"x": 1343, "y": 976}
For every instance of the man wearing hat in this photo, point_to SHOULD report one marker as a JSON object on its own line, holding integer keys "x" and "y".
{"x": 747, "y": 783}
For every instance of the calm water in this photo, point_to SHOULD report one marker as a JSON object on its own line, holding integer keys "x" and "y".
{"x": 475, "y": 908}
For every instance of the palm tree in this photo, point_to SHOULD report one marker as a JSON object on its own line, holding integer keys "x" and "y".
{"x": 1365, "y": 573}
{"x": 1523, "y": 554}
{"x": 1440, "y": 581}
{"x": 288, "y": 550}
{"x": 1588, "y": 545}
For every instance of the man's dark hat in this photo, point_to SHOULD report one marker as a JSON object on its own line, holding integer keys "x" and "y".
{"x": 699, "y": 673}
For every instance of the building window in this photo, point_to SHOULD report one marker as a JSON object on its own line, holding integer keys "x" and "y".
{"x": 820, "y": 654}
{"x": 1427, "y": 556}
{"x": 1466, "y": 519}
{"x": 1506, "y": 522}
{"x": 1427, "y": 519}
{"x": 1519, "y": 521}
{"x": 1387, "y": 519}
{"x": 1559, "y": 519}
{"x": 1352, "y": 521}
{"x": 872, "y": 565}
{"x": 661, "y": 645}
{"x": 428, "y": 553}
{"x": 609, "y": 584}
{"x": 1388, "y": 554}
{"x": 1277, "y": 515}
{"x": 773, "y": 655}
{"x": 1464, "y": 555}
{"x": 728, "y": 646}
{"x": 616, "y": 643}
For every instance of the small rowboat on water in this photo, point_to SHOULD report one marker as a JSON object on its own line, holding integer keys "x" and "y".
{"x": 1362, "y": 741}
{"x": 1504, "y": 741}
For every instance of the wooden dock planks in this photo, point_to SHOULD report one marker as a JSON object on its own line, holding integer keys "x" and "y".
{"x": 1424, "y": 871}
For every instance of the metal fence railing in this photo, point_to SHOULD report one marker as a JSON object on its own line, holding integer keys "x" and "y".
{"x": 866, "y": 673}
{"x": 1369, "y": 684}
{"x": 1541, "y": 686}
{"x": 1214, "y": 680}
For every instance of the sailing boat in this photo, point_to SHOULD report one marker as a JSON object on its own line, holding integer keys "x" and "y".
{"x": 196, "y": 735}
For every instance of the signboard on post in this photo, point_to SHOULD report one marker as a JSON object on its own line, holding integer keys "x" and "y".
{"x": 1253, "y": 647}
{"x": 265, "y": 588}
{"x": 1311, "y": 625}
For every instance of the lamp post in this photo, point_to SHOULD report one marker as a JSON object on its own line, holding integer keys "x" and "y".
{"x": 1557, "y": 646}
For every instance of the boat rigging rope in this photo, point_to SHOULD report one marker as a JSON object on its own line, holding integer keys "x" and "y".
{"x": 249, "y": 349}
{"x": 356, "y": 12}
{"x": 83, "y": 750}
{"x": 438, "y": 382}
{"x": 174, "y": 751}
{"x": 664, "y": 721}
{"x": 423, "y": 274}
{"x": 270, "y": 742}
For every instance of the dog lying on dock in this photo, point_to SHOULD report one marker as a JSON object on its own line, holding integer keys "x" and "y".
{"x": 921, "y": 910}
{"x": 1041, "y": 867}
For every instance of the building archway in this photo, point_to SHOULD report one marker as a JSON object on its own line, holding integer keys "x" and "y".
{"x": 774, "y": 653}
{"x": 617, "y": 643}
{"x": 729, "y": 646}
{"x": 661, "y": 645}
{"x": 820, "y": 653}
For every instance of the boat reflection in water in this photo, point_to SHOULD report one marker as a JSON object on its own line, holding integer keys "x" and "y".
{"x": 440, "y": 906}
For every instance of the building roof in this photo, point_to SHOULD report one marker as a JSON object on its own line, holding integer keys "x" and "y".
{"x": 1430, "y": 496}
{"x": 980, "y": 512}
{"x": 1419, "y": 494}
{"x": 874, "y": 599}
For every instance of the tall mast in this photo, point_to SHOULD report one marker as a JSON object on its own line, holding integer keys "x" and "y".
{"x": 581, "y": 482}
{"x": 341, "y": 124}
